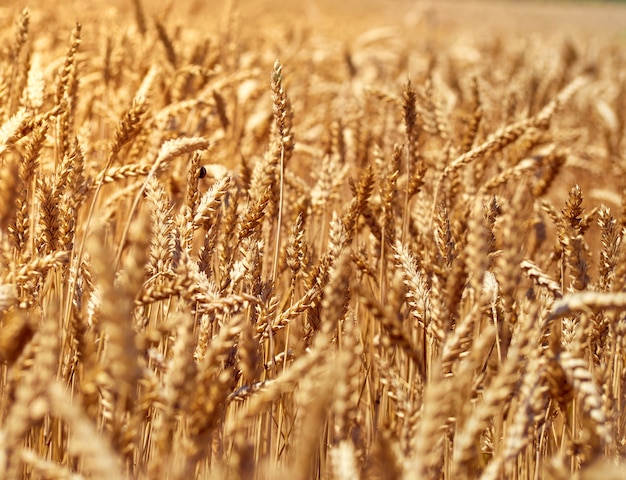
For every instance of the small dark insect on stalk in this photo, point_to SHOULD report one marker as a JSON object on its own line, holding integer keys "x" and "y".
{"x": 202, "y": 172}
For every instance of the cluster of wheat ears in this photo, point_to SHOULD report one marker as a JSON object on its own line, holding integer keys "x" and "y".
{"x": 215, "y": 264}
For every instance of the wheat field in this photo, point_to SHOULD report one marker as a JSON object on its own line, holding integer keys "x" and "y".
{"x": 238, "y": 246}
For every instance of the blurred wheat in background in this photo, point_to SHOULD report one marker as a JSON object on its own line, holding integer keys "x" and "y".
{"x": 261, "y": 251}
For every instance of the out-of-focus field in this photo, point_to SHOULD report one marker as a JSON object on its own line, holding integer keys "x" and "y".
{"x": 347, "y": 19}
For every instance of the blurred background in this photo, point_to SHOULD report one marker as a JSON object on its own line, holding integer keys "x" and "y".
{"x": 344, "y": 18}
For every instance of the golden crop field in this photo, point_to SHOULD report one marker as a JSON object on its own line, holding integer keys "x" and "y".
{"x": 316, "y": 240}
